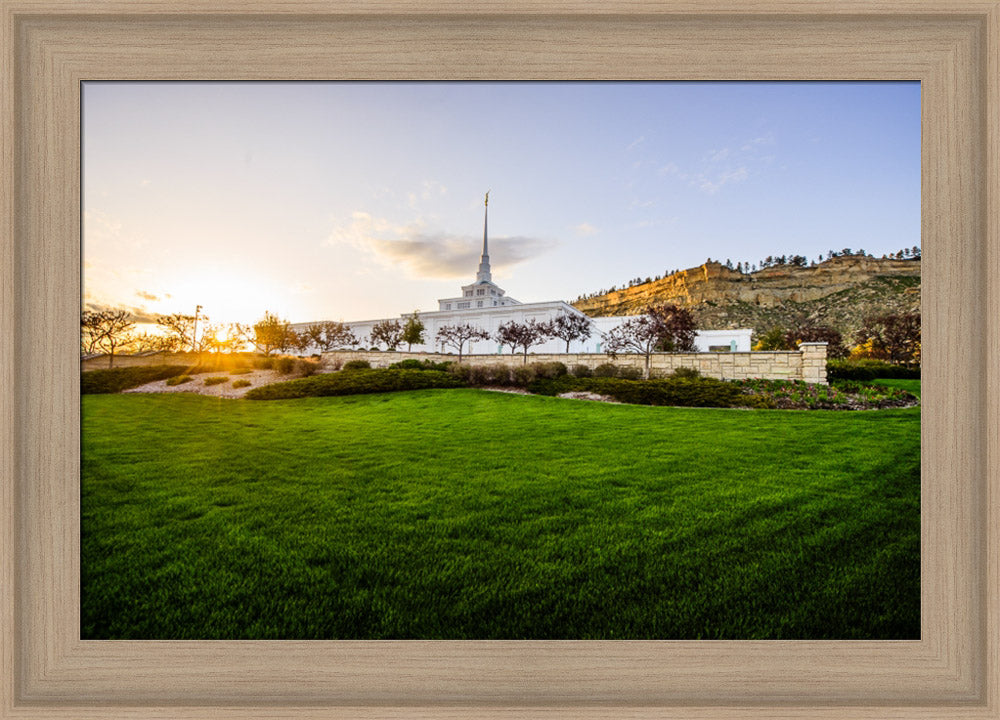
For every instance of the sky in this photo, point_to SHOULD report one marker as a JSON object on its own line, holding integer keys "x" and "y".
{"x": 355, "y": 201}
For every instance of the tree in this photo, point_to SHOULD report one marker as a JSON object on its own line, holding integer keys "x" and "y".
{"x": 180, "y": 327}
{"x": 893, "y": 337}
{"x": 773, "y": 339}
{"x": 387, "y": 332}
{"x": 522, "y": 335}
{"x": 457, "y": 335}
{"x": 570, "y": 327}
{"x": 664, "y": 327}
{"x": 834, "y": 342}
{"x": 106, "y": 331}
{"x": 270, "y": 334}
{"x": 329, "y": 335}
{"x": 413, "y": 331}
{"x": 638, "y": 335}
{"x": 676, "y": 326}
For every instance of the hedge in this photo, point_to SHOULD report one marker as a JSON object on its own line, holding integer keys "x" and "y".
{"x": 869, "y": 370}
{"x": 113, "y": 380}
{"x": 356, "y": 382}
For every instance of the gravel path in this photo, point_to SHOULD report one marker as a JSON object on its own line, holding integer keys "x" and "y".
{"x": 224, "y": 390}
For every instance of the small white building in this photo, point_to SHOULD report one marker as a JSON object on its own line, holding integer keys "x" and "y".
{"x": 486, "y": 305}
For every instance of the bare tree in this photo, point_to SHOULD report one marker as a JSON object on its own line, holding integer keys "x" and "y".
{"x": 636, "y": 335}
{"x": 329, "y": 335}
{"x": 522, "y": 335}
{"x": 107, "y": 331}
{"x": 180, "y": 327}
{"x": 457, "y": 335}
{"x": 570, "y": 327}
{"x": 388, "y": 333}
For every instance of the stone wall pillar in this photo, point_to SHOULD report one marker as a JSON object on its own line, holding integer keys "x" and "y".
{"x": 814, "y": 362}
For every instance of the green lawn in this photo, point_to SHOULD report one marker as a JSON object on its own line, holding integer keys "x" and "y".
{"x": 470, "y": 514}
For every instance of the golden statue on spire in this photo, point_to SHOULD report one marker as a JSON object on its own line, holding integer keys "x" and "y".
{"x": 487, "y": 198}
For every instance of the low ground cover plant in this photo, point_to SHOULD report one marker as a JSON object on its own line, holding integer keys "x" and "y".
{"x": 218, "y": 380}
{"x": 355, "y": 382}
{"x": 179, "y": 380}
{"x": 841, "y": 395}
{"x": 241, "y": 383}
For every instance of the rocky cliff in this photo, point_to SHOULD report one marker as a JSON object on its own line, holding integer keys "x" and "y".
{"x": 839, "y": 292}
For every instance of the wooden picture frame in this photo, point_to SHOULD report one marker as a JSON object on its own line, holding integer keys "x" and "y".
{"x": 49, "y": 47}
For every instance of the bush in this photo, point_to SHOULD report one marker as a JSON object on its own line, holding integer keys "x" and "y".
{"x": 241, "y": 383}
{"x": 357, "y": 365}
{"x": 549, "y": 370}
{"x": 216, "y": 380}
{"x": 864, "y": 370}
{"x": 178, "y": 380}
{"x": 462, "y": 371}
{"x": 522, "y": 375}
{"x": 97, "y": 382}
{"x": 357, "y": 382}
{"x": 582, "y": 371}
{"x": 263, "y": 363}
{"x": 628, "y": 372}
{"x": 685, "y": 372}
{"x": 684, "y": 392}
{"x": 606, "y": 370}
{"x": 306, "y": 366}
{"x": 414, "y": 364}
{"x": 284, "y": 365}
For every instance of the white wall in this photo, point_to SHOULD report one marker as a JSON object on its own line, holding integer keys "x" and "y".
{"x": 490, "y": 319}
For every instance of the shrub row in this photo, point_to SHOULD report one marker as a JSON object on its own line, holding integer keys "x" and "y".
{"x": 286, "y": 365}
{"x": 869, "y": 370}
{"x": 414, "y": 364}
{"x": 355, "y": 383}
{"x": 98, "y": 382}
{"x": 680, "y": 392}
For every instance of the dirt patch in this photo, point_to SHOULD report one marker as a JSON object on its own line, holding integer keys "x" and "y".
{"x": 588, "y": 396}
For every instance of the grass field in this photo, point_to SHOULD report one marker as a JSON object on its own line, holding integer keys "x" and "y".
{"x": 471, "y": 514}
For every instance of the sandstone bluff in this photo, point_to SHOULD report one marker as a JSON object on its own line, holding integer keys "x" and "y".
{"x": 839, "y": 293}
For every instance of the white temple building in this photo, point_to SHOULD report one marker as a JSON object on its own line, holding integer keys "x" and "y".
{"x": 486, "y": 305}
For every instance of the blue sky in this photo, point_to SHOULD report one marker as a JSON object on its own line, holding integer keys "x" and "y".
{"x": 360, "y": 200}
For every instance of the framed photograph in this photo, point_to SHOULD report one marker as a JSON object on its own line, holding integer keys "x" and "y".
{"x": 57, "y": 661}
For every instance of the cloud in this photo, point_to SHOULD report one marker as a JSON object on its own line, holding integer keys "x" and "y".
{"x": 428, "y": 189}
{"x": 718, "y": 155}
{"x": 635, "y": 143}
{"x": 136, "y": 314}
{"x": 712, "y": 184}
{"x": 147, "y": 295}
{"x": 585, "y": 228}
{"x": 432, "y": 255}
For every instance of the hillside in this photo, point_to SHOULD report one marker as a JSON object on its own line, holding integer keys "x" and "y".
{"x": 839, "y": 293}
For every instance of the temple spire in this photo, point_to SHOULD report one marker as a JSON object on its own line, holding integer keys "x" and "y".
{"x": 484, "y": 262}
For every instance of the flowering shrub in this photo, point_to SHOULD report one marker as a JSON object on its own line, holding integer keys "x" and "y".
{"x": 795, "y": 394}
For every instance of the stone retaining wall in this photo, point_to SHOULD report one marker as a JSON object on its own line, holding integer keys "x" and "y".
{"x": 808, "y": 363}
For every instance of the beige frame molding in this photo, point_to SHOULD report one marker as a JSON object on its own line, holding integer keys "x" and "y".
{"x": 50, "y": 46}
